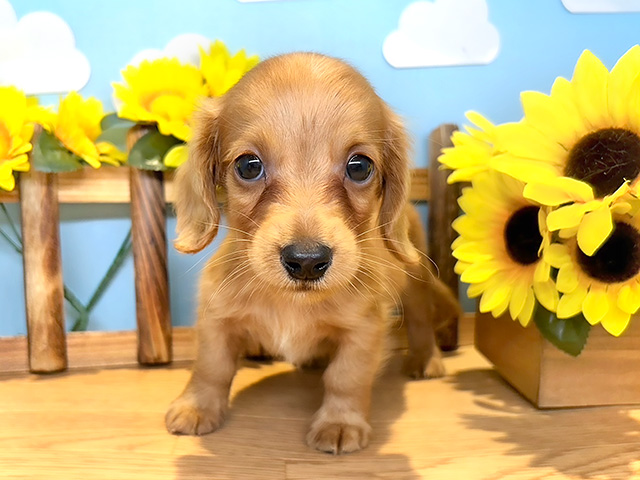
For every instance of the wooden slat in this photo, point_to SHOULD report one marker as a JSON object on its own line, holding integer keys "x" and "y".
{"x": 420, "y": 191}
{"x": 111, "y": 185}
{"x": 43, "y": 287}
{"x": 443, "y": 210}
{"x": 149, "y": 240}
{"x": 95, "y": 350}
{"x": 118, "y": 349}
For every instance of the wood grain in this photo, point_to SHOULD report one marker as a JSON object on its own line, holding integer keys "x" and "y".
{"x": 108, "y": 424}
{"x": 111, "y": 185}
{"x": 149, "y": 240}
{"x": 443, "y": 210}
{"x": 605, "y": 373}
{"x": 43, "y": 286}
{"x": 119, "y": 349}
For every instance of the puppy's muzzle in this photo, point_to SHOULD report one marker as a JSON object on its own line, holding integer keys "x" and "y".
{"x": 306, "y": 260}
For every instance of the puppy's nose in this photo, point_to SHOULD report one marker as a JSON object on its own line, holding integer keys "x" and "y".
{"x": 306, "y": 260}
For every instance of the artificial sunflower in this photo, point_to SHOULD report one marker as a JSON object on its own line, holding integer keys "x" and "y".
{"x": 604, "y": 287}
{"x": 579, "y": 145}
{"x": 162, "y": 91}
{"x": 222, "y": 71}
{"x": 499, "y": 247}
{"x": 77, "y": 126}
{"x": 16, "y": 130}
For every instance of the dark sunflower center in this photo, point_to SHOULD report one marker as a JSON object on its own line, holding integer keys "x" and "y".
{"x": 618, "y": 259}
{"x": 522, "y": 236}
{"x": 605, "y": 159}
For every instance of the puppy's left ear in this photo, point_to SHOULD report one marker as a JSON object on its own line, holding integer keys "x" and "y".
{"x": 196, "y": 204}
{"x": 396, "y": 184}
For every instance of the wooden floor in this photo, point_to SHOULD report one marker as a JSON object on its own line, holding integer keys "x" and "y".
{"x": 108, "y": 424}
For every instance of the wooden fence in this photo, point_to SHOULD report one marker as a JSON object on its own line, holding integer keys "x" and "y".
{"x": 155, "y": 342}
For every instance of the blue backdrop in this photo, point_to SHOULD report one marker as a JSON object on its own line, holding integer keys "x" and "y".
{"x": 538, "y": 41}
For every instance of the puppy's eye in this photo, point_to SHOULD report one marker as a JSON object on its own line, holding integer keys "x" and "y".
{"x": 249, "y": 167}
{"x": 359, "y": 168}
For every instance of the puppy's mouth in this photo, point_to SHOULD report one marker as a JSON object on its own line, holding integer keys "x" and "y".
{"x": 306, "y": 263}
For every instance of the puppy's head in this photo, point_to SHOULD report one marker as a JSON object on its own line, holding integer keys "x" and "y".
{"x": 312, "y": 162}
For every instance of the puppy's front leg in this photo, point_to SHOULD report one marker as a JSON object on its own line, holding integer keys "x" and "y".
{"x": 201, "y": 408}
{"x": 340, "y": 425}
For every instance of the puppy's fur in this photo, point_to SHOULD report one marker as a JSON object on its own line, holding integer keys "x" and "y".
{"x": 304, "y": 115}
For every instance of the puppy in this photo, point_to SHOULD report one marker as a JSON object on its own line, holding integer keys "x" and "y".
{"x": 321, "y": 243}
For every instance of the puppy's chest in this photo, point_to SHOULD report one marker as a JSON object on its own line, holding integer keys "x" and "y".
{"x": 289, "y": 333}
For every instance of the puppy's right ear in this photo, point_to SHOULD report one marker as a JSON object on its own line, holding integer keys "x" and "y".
{"x": 196, "y": 205}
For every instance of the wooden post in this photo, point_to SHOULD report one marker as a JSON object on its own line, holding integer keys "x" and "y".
{"x": 150, "y": 261}
{"x": 43, "y": 287}
{"x": 443, "y": 210}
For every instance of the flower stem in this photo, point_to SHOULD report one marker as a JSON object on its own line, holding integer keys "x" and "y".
{"x": 12, "y": 225}
{"x": 74, "y": 301}
{"x": 11, "y": 242}
{"x": 123, "y": 252}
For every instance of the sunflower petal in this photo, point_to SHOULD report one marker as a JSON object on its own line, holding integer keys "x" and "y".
{"x": 568, "y": 216}
{"x": 527, "y": 311}
{"x": 567, "y": 280}
{"x": 479, "y": 272}
{"x": 547, "y": 295}
{"x": 557, "y": 254}
{"x": 594, "y": 230}
{"x": 476, "y": 289}
{"x": 518, "y": 297}
{"x": 589, "y": 84}
{"x": 501, "y": 307}
{"x": 521, "y": 140}
{"x": 595, "y": 305}
{"x": 523, "y": 169}
{"x": 615, "y": 321}
{"x": 570, "y": 304}
{"x": 552, "y": 117}
{"x": 495, "y": 296}
{"x": 621, "y": 79}
{"x": 542, "y": 272}
{"x": 628, "y": 299}
{"x": 556, "y": 191}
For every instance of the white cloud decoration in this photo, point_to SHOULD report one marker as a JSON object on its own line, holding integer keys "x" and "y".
{"x": 184, "y": 47}
{"x": 443, "y": 33}
{"x": 38, "y": 53}
{"x": 601, "y": 6}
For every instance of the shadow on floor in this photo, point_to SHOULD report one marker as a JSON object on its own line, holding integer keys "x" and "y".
{"x": 263, "y": 437}
{"x": 588, "y": 443}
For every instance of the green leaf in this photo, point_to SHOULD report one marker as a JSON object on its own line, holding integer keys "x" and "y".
{"x": 49, "y": 155}
{"x": 569, "y": 335}
{"x": 150, "y": 149}
{"x": 117, "y": 135}
{"x": 113, "y": 120}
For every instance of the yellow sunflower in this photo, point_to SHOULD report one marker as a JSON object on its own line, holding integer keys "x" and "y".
{"x": 604, "y": 287}
{"x": 471, "y": 150}
{"x": 499, "y": 248}
{"x": 162, "y": 91}
{"x": 222, "y": 71}
{"x": 16, "y": 130}
{"x": 77, "y": 126}
{"x": 579, "y": 146}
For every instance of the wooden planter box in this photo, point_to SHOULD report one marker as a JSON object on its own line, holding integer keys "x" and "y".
{"x": 607, "y": 372}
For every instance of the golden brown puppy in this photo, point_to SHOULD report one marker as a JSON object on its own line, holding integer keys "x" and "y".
{"x": 315, "y": 167}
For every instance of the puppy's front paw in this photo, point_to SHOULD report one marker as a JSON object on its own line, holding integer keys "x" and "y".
{"x": 417, "y": 367}
{"x": 186, "y": 417}
{"x": 339, "y": 437}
